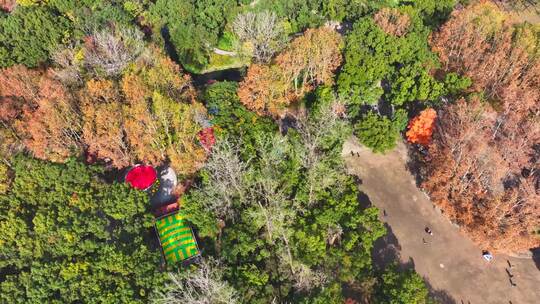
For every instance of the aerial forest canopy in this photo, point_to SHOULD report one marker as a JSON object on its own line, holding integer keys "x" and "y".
{"x": 89, "y": 89}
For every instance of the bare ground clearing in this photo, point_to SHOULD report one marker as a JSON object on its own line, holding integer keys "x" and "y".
{"x": 451, "y": 263}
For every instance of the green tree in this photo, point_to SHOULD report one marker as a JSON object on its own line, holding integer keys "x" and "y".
{"x": 93, "y": 15}
{"x": 401, "y": 287}
{"x": 369, "y": 53}
{"x": 5, "y": 178}
{"x": 284, "y": 225}
{"x": 231, "y": 119}
{"x": 30, "y": 34}
{"x": 392, "y": 69}
{"x": 194, "y": 26}
{"x": 379, "y": 65}
{"x": 455, "y": 84}
{"x": 69, "y": 237}
{"x": 377, "y": 132}
{"x": 300, "y": 14}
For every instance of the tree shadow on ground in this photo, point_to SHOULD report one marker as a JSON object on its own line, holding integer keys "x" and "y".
{"x": 441, "y": 296}
{"x": 536, "y": 257}
{"x": 414, "y": 164}
{"x": 386, "y": 249}
{"x": 363, "y": 200}
{"x": 170, "y": 50}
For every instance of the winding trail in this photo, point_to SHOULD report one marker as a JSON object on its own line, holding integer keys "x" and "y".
{"x": 451, "y": 263}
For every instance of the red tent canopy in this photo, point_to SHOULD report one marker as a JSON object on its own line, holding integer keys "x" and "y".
{"x": 141, "y": 177}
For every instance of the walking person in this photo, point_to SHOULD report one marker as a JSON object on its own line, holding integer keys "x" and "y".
{"x": 428, "y": 231}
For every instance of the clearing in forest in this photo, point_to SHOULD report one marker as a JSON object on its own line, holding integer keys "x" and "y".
{"x": 450, "y": 262}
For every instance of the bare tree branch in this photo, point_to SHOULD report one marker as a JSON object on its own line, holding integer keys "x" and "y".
{"x": 203, "y": 285}
{"x": 263, "y": 31}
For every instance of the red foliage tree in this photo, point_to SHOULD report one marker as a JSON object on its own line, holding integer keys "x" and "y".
{"x": 207, "y": 138}
{"x": 421, "y": 127}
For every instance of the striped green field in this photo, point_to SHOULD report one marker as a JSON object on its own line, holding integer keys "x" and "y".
{"x": 176, "y": 238}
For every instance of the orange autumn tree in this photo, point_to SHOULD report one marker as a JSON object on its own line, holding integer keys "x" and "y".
{"x": 309, "y": 60}
{"x": 103, "y": 127}
{"x": 18, "y": 88}
{"x": 264, "y": 91}
{"x": 150, "y": 115}
{"x": 52, "y": 130}
{"x": 41, "y": 112}
{"x": 420, "y": 128}
{"x": 163, "y": 115}
{"x": 482, "y": 167}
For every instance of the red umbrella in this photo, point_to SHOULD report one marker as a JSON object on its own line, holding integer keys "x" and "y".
{"x": 141, "y": 177}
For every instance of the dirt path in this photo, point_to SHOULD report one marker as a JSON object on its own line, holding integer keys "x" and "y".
{"x": 449, "y": 261}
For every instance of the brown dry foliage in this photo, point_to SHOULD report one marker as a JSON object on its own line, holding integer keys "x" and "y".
{"x": 392, "y": 21}
{"x": 469, "y": 177}
{"x": 478, "y": 47}
{"x": 483, "y": 167}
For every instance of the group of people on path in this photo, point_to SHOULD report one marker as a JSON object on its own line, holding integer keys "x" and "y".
{"x": 486, "y": 254}
{"x": 510, "y": 275}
